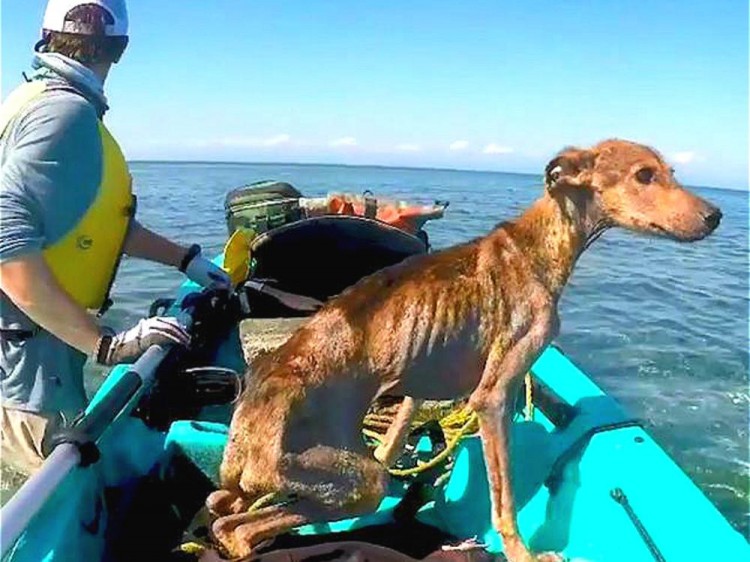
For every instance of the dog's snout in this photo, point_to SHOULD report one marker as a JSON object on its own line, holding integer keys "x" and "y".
{"x": 712, "y": 218}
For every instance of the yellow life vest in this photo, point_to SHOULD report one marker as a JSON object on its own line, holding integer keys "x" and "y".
{"x": 84, "y": 261}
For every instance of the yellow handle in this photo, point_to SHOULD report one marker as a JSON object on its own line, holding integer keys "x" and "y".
{"x": 237, "y": 256}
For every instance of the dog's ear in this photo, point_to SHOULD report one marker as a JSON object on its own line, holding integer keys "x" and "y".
{"x": 573, "y": 167}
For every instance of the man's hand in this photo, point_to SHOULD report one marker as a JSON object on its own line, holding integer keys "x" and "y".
{"x": 129, "y": 345}
{"x": 203, "y": 271}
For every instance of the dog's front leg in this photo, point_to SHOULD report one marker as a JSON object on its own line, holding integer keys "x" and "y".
{"x": 493, "y": 402}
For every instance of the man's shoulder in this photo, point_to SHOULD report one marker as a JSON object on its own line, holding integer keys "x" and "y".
{"x": 56, "y": 115}
{"x": 57, "y": 126}
{"x": 63, "y": 105}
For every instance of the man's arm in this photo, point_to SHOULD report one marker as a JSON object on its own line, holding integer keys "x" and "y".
{"x": 146, "y": 244}
{"x": 29, "y": 283}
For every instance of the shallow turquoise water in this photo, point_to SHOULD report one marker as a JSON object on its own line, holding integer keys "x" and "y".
{"x": 662, "y": 326}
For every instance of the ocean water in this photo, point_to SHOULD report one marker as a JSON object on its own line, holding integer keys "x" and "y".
{"x": 662, "y": 326}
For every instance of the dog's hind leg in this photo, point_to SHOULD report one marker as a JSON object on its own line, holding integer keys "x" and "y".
{"x": 395, "y": 438}
{"x": 321, "y": 484}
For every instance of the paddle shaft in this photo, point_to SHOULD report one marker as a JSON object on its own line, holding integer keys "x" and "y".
{"x": 29, "y": 500}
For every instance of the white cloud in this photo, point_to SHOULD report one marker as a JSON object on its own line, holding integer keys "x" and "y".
{"x": 683, "y": 157}
{"x": 408, "y": 147}
{"x": 493, "y": 148}
{"x": 344, "y": 141}
{"x": 458, "y": 145}
{"x": 276, "y": 140}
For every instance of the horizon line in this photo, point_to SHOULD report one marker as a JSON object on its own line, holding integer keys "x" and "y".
{"x": 746, "y": 189}
{"x": 328, "y": 164}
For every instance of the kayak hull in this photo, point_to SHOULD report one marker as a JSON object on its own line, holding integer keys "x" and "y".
{"x": 564, "y": 480}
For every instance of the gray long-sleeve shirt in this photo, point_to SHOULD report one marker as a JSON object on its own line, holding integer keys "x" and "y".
{"x": 50, "y": 171}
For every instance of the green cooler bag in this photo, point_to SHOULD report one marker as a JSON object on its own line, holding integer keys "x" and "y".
{"x": 262, "y": 206}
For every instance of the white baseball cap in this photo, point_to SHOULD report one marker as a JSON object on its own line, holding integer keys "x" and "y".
{"x": 57, "y": 10}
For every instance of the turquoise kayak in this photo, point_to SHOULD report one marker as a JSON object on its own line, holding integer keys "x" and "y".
{"x": 590, "y": 482}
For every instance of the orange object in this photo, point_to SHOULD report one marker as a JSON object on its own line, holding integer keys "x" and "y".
{"x": 399, "y": 214}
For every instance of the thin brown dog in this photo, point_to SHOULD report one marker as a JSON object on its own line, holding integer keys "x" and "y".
{"x": 466, "y": 321}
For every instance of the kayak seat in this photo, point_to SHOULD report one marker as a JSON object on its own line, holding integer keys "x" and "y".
{"x": 201, "y": 442}
{"x": 320, "y": 257}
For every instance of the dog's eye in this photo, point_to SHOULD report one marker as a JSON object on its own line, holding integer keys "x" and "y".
{"x": 645, "y": 175}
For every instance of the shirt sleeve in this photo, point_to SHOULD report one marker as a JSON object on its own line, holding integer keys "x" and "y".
{"x": 51, "y": 169}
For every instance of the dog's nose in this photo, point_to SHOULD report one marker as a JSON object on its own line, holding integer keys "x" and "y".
{"x": 713, "y": 218}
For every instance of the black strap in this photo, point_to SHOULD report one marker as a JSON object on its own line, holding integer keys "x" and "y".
{"x": 87, "y": 429}
{"x": 102, "y": 348}
{"x": 193, "y": 251}
{"x": 85, "y": 444}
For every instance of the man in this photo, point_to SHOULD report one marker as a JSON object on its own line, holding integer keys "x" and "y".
{"x": 67, "y": 215}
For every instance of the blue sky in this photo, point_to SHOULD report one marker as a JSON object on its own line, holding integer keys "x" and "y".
{"x": 494, "y": 85}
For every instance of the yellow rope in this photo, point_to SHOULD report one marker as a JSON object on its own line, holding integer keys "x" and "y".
{"x": 471, "y": 425}
{"x": 455, "y": 420}
{"x": 262, "y": 501}
{"x": 456, "y": 423}
{"x": 194, "y": 548}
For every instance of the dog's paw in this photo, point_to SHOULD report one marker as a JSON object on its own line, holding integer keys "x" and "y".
{"x": 225, "y": 536}
{"x": 223, "y": 502}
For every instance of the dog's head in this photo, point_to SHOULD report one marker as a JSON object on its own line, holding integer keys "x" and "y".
{"x": 631, "y": 186}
